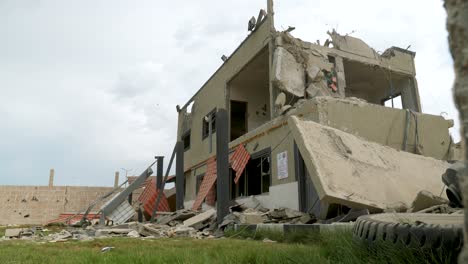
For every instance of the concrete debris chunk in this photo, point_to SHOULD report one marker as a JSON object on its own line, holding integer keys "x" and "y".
{"x": 289, "y": 76}
{"x": 13, "y": 232}
{"x": 439, "y": 209}
{"x": 284, "y": 214}
{"x": 181, "y": 231}
{"x": 312, "y": 72}
{"x": 180, "y": 215}
{"x": 64, "y": 234}
{"x": 396, "y": 208}
{"x": 251, "y": 218}
{"x": 200, "y": 218}
{"x": 352, "y": 44}
{"x": 114, "y": 231}
{"x": 267, "y": 240}
{"x": 425, "y": 199}
{"x": 133, "y": 234}
{"x": 352, "y": 215}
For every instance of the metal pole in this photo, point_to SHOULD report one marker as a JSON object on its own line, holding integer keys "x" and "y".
{"x": 222, "y": 164}
{"x": 180, "y": 175}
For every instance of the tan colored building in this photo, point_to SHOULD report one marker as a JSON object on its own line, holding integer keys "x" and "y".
{"x": 285, "y": 95}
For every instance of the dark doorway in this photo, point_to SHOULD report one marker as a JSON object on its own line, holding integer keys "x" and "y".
{"x": 238, "y": 119}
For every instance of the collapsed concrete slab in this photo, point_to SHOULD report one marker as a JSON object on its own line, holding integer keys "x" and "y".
{"x": 352, "y": 44}
{"x": 200, "y": 218}
{"x": 289, "y": 75}
{"x": 348, "y": 170}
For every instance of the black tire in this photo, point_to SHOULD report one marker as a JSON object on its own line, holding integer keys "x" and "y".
{"x": 427, "y": 231}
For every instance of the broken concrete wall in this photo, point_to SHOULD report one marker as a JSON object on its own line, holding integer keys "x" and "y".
{"x": 357, "y": 173}
{"x": 383, "y": 125}
{"x": 213, "y": 93}
{"x": 303, "y": 69}
{"x": 302, "y": 72}
{"x": 39, "y": 204}
{"x": 251, "y": 86}
{"x": 352, "y": 45}
{"x": 274, "y": 135}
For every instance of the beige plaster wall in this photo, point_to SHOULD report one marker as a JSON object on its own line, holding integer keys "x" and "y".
{"x": 382, "y": 124}
{"x": 43, "y": 203}
{"x": 213, "y": 93}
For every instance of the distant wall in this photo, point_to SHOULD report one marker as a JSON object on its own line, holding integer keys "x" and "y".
{"x": 39, "y": 204}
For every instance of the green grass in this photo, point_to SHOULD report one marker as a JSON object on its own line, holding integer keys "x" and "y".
{"x": 339, "y": 247}
{"x": 331, "y": 248}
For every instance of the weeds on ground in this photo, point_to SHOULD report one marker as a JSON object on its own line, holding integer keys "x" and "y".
{"x": 339, "y": 247}
{"x": 237, "y": 247}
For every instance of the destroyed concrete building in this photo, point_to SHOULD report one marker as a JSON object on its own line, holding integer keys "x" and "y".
{"x": 314, "y": 127}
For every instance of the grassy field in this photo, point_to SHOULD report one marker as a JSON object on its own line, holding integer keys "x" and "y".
{"x": 332, "y": 248}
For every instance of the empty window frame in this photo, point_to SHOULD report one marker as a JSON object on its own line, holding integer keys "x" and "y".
{"x": 393, "y": 102}
{"x": 186, "y": 140}
{"x": 256, "y": 178}
{"x": 206, "y": 127}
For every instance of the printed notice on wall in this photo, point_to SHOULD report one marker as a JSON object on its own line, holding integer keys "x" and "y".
{"x": 282, "y": 161}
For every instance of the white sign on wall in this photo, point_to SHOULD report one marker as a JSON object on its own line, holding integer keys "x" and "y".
{"x": 282, "y": 161}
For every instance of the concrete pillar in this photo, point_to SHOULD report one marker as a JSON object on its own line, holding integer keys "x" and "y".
{"x": 340, "y": 76}
{"x": 222, "y": 165}
{"x": 116, "y": 179}
{"x": 159, "y": 172}
{"x": 180, "y": 175}
{"x": 51, "y": 177}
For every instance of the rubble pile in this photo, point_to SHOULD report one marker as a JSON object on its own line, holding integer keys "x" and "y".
{"x": 249, "y": 216}
{"x": 182, "y": 223}
{"x": 203, "y": 225}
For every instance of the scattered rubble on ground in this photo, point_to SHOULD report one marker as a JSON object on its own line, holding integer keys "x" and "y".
{"x": 203, "y": 225}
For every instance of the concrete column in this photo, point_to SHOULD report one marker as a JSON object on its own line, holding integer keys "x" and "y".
{"x": 340, "y": 76}
{"x": 271, "y": 12}
{"x": 222, "y": 165}
{"x": 159, "y": 172}
{"x": 116, "y": 179}
{"x": 51, "y": 177}
{"x": 180, "y": 175}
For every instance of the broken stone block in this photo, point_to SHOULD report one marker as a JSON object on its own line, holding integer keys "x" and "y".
{"x": 425, "y": 199}
{"x": 13, "y": 232}
{"x": 200, "y": 218}
{"x": 114, "y": 231}
{"x": 439, "y": 209}
{"x": 307, "y": 219}
{"x": 64, "y": 234}
{"x": 184, "y": 231}
{"x": 284, "y": 213}
{"x": 396, "y": 208}
{"x": 352, "y": 44}
{"x": 316, "y": 89}
{"x": 133, "y": 234}
{"x": 289, "y": 76}
{"x": 153, "y": 230}
{"x": 180, "y": 215}
{"x": 280, "y": 100}
{"x": 251, "y": 218}
{"x": 267, "y": 240}
{"x": 312, "y": 72}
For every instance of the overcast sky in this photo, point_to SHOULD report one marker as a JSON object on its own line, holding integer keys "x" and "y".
{"x": 89, "y": 87}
